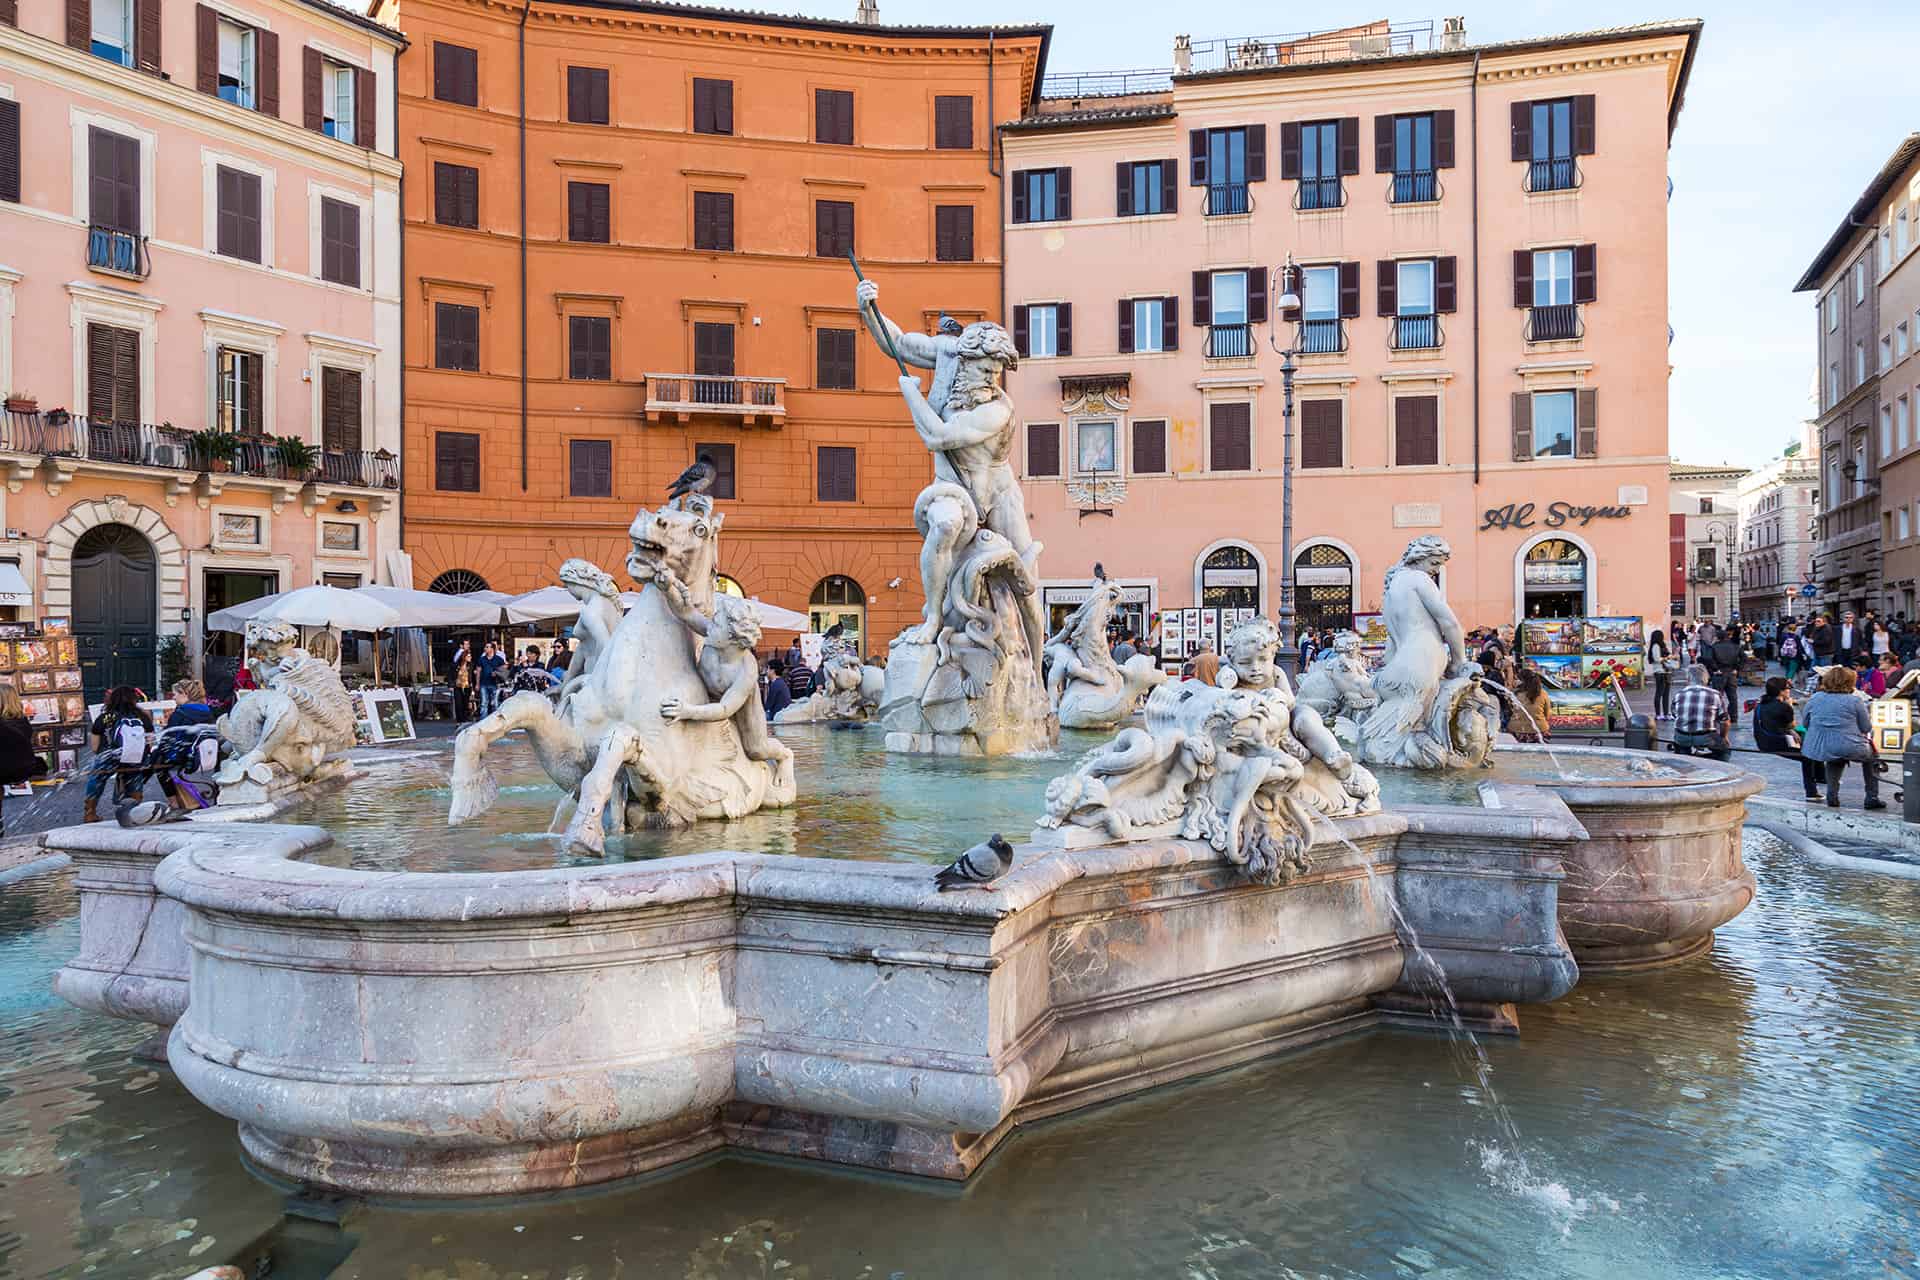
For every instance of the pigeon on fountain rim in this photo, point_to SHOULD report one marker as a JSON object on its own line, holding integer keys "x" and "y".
{"x": 982, "y": 864}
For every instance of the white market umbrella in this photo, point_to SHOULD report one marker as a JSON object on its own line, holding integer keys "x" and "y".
{"x": 433, "y": 608}
{"x": 544, "y": 604}
{"x": 315, "y": 606}
{"x": 778, "y": 619}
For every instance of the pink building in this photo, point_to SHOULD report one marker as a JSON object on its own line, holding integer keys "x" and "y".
{"x": 199, "y": 273}
{"x": 1481, "y": 237}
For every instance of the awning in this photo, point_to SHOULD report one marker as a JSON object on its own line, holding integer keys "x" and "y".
{"x": 13, "y": 586}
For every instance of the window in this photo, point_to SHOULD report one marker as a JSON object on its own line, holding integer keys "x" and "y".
{"x": 456, "y": 337}
{"x": 1230, "y": 436}
{"x": 1552, "y": 283}
{"x": 589, "y": 212}
{"x": 587, "y": 97}
{"x": 339, "y": 242}
{"x": 1709, "y": 607}
{"x": 1832, "y": 305}
{"x": 1859, "y": 361}
{"x": 590, "y": 348}
{"x": 590, "y": 468}
{"x": 1886, "y": 430}
{"x": 1043, "y": 448}
{"x": 1320, "y": 165}
{"x": 1886, "y": 352}
{"x": 1043, "y": 330}
{"x": 1229, "y": 297}
{"x": 456, "y": 74}
{"x": 1322, "y": 441}
{"x": 832, "y": 228}
{"x": 1552, "y": 277}
{"x": 1224, "y": 302}
{"x": 456, "y": 461}
{"x": 1859, "y": 281}
{"x": 1149, "y": 324}
{"x": 1900, "y": 229}
{"x": 1706, "y": 506}
{"x": 1833, "y": 384}
{"x": 1553, "y": 425}
{"x": 837, "y": 479}
{"x": 953, "y": 122}
{"x": 833, "y": 117}
{"x": 1096, "y": 448}
{"x": 1150, "y": 447}
{"x": 237, "y": 80}
{"x": 724, "y": 483}
{"x": 713, "y": 351}
{"x": 1552, "y": 167}
{"x": 1902, "y": 423}
{"x": 113, "y": 374}
{"x": 1416, "y": 323}
{"x": 1900, "y": 341}
{"x": 113, "y": 31}
{"x": 114, "y": 181}
{"x": 1142, "y": 187}
{"x": 1320, "y": 308}
{"x": 712, "y": 106}
{"x": 833, "y": 359}
{"x": 237, "y": 393}
{"x": 237, "y": 218}
{"x": 337, "y": 101}
{"x": 1043, "y": 195}
{"x": 1413, "y": 148}
{"x": 713, "y": 221}
{"x": 1416, "y": 431}
{"x": 456, "y": 195}
{"x": 340, "y": 410}
{"x": 953, "y": 233}
{"x": 1902, "y": 529}
{"x": 1224, "y": 161}
{"x": 9, "y": 151}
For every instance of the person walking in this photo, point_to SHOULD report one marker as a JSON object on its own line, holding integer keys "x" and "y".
{"x": 463, "y": 682}
{"x": 18, "y": 760}
{"x": 1206, "y": 664}
{"x": 118, "y": 738}
{"x": 1773, "y": 732}
{"x": 1879, "y": 641}
{"x": 1838, "y": 728}
{"x": 1532, "y": 693}
{"x": 1819, "y": 640}
{"x": 1700, "y": 720}
{"x": 1848, "y": 640}
{"x": 491, "y": 668}
{"x": 1722, "y": 660}
{"x": 1661, "y": 664}
{"x": 1791, "y": 657}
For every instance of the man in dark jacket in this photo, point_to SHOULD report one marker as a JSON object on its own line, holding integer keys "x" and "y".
{"x": 1849, "y": 639}
{"x": 1722, "y": 660}
{"x": 1820, "y": 639}
{"x": 777, "y": 696}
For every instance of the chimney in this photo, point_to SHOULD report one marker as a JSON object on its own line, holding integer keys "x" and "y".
{"x": 869, "y": 13}
{"x": 1182, "y": 55}
{"x": 1453, "y": 33}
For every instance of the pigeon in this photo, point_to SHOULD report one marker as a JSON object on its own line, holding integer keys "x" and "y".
{"x": 1099, "y": 571}
{"x": 950, "y": 326}
{"x": 697, "y": 478}
{"x": 979, "y": 865}
{"x": 144, "y": 813}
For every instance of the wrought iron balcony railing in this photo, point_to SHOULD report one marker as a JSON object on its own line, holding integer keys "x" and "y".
{"x": 1229, "y": 341}
{"x": 1322, "y": 337}
{"x": 1422, "y": 187}
{"x": 1320, "y": 193}
{"x": 163, "y": 448}
{"x": 1225, "y": 198}
{"x": 121, "y": 253}
{"x": 1416, "y": 333}
{"x": 1558, "y": 174}
{"x": 1558, "y": 323}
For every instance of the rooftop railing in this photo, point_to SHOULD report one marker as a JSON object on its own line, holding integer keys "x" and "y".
{"x": 1233, "y": 53}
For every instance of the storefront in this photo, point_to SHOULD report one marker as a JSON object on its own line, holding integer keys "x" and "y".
{"x": 1323, "y": 586}
{"x": 840, "y": 600}
{"x": 1230, "y": 575}
{"x": 1139, "y": 599}
{"x": 1555, "y": 579}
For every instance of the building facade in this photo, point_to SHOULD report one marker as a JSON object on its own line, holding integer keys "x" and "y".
{"x": 1480, "y": 336}
{"x": 1897, "y": 426}
{"x": 665, "y": 276}
{"x": 1704, "y": 519}
{"x": 199, "y": 262}
{"x": 1778, "y": 514}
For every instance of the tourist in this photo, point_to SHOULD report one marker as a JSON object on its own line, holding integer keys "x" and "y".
{"x": 1773, "y": 732}
{"x": 1849, "y": 642}
{"x": 190, "y": 705}
{"x": 560, "y": 659}
{"x": 1704, "y": 634}
{"x": 1838, "y": 726}
{"x": 1125, "y": 649}
{"x": 1879, "y": 641}
{"x": 1700, "y": 720}
{"x": 18, "y": 760}
{"x": 1532, "y": 726}
{"x": 1886, "y": 674}
{"x": 490, "y": 668}
{"x": 463, "y": 681}
{"x": 1206, "y": 663}
{"x": 794, "y": 657}
{"x": 1791, "y": 657}
{"x": 800, "y": 678}
{"x": 1819, "y": 640}
{"x": 776, "y": 697}
{"x": 1661, "y": 664}
{"x": 1722, "y": 660}
{"x": 1308, "y": 648}
{"x": 118, "y": 738}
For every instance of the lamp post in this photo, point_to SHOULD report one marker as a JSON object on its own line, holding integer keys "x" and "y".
{"x": 1289, "y": 300}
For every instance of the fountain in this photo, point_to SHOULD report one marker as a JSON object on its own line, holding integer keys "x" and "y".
{"x": 288, "y": 731}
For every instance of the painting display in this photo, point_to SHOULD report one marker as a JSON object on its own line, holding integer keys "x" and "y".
{"x": 42, "y": 663}
{"x": 1572, "y": 710}
{"x": 1598, "y": 670}
{"x": 1606, "y": 647}
{"x": 1613, "y": 635}
{"x": 1550, "y": 635}
{"x": 1558, "y": 670}
{"x": 391, "y": 718}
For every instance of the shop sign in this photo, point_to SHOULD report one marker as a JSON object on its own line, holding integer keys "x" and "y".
{"x": 1324, "y": 576}
{"x": 1141, "y": 595}
{"x": 1520, "y": 515}
{"x": 1230, "y": 577}
{"x": 1555, "y": 572}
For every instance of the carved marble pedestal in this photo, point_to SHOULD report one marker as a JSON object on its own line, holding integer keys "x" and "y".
{"x": 926, "y": 709}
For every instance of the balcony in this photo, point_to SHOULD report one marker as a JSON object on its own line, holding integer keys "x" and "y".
{"x": 1416, "y": 333}
{"x": 1414, "y": 188}
{"x": 1559, "y": 323}
{"x": 1558, "y": 174}
{"x": 1321, "y": 337}
{"x": 1224, "y": 198}
{"x": 1320, "y": 193}
{"x": 680, "y": 397}
{"x": 117, "y": 253}
{"x": 1229, "y": 341}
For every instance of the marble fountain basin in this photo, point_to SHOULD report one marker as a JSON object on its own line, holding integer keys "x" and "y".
{"x": 469, "y": 1033}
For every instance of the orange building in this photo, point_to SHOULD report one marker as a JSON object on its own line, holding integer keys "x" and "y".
{"x": 632, "y": 252}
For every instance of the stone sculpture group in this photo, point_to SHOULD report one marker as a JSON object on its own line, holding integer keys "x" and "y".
{"x": 285, "y": 731}
{"x": 848, "y": 689}
{"x": 1086, "y": 687}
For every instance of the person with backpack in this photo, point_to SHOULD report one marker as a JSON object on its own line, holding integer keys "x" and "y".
{"x": 1791, "y": 655}
{"x": 119, "y": 741}
{"x": 1662, "y": 662}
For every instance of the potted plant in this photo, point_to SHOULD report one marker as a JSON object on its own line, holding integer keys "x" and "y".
{"x": 213, "y": 449}
{"x": 22, "y": 402}
{"x": 296, "y": 457}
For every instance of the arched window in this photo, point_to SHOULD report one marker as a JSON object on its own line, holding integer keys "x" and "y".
{"x": 1230, "y": 579}
{"x": 1554, "y": 578}
{"x": 1323, "y": 587}
{"x": 839, "y": 599}
{"x": 727, "y": 586}
{"x": 455, "y": 582}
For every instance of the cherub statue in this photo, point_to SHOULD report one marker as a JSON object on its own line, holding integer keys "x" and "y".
{"x": 299, "y": 714}
{"x": 1339, "y": 687}
{"x": 727, "y": 668}
{"x": 599, "y": 601}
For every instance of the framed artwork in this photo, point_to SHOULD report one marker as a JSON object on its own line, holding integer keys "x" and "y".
{"x": 35, "y": 681}
{"x": 44, "y": 738}
{"x": 1577, "y": 709}
{"x": 13, "y": 630}
{"x": 73, "y": 707}
{"x": 1559, "y": 670}
{"x": 1614, "y": 631}
{"x": 33, "y": 653}
{"x": 43, "y": 710}
{"x": 66, "y": 678}
{"x": 66, "y": 650}
{"x": 56, "y": 626}
{"x": 1597, "y": 668}
{"x": 391, "y": 718}
{"x": 66, "y": 760}
{"x": 73, "y": 735}
{"x": 1550, "y": 635}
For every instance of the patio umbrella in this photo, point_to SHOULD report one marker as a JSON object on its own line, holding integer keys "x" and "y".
{"x": 315, "y": 606}
{"x": 773, "y": 617}
{"x": 544, "y": 604}
{"x": 434, "y": 608}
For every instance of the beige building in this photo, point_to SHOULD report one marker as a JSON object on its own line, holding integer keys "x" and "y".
{"x": 1897, "y": 258}
{"x": 1778, "y": 507}
{"x": 1704, "y": 530}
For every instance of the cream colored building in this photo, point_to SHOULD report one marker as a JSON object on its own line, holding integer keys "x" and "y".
{"x": 1704, "y": 528}
{"x": 1778, "y": 507}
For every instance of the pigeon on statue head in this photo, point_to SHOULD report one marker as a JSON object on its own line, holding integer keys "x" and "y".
{"x": 980, "y": 865}
{"x": 697, "y": 478}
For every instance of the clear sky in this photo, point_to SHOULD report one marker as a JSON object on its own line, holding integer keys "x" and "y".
{"x": 1791, "y": 109}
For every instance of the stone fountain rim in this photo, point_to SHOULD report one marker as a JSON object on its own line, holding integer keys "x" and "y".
{"x": 1714, "y": 780}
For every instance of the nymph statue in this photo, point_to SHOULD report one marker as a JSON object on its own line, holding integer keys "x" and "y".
{"x": 1433, "y": 712}
{"x": 1339, "y": 687}
{"x": 285, "y": 728}
{"x": 848, "y": 690}
{"x": 599, "y": 601}
{"x": 966, "y": 680}
{"x": 1086, "y": 687}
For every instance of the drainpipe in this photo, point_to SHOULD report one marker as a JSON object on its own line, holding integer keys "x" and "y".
{"x": 1473, "y": 129}
{"x": 400, "y": 500}
{"x": 997, "y": 171}
{"x": 526, "y": 10}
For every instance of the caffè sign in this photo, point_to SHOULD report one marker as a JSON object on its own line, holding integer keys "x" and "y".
{"x": 1520, "y": 515}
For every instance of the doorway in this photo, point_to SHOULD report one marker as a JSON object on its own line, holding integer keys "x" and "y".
{"x": 1554, "y": 580}
{"x": 840, "y": 599}
{"x": 116, "y": 582}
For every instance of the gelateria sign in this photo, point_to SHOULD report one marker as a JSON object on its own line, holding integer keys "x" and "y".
{"x": 1556, "y": 515}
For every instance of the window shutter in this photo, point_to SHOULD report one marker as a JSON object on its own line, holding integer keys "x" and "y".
{"x": 1522, "y": 116}
{"x": 1020, "y": 330}
{"x": 1443, "y": 139}
{"x": 79, "y": 24}
{"x": 833, "y": 116}
{"x": 723, "y": 106}
{"x": 837, "y": 474}
{"x": 100, "y": 372}
{"x": 953, "y": 122}
{"x": 341, "y": 410}
{"x": 256, "y": 415}
{"x": 590, "y": 212}
{"x": 1349, "y": 290}
{"x": 1202, "y": 298}
{"x": 1020, "y": 196}
{"x": 1169, "y": 186}
{"x": 206, "y": 53}
{"x": 366, "y": 109}
{"x": 1586, "y": 434}
{"x": 146, "y": 38}
{"x": 1583, "y": 124}
{"x": 587, "y": 97}
{"x": 1522, "y": 277}
{"x": 1230, "y": 436}
{"x": 9, "y": 151}
{"x": 1043, "y": 449}
{"x": 1123, "y": 189}
{"x": 1386, "y": 287}
{"x": 1585, "y": 273}
{"x": 1149, "y": 448}
{"x": 1256, "y": 153}
{"x": 267, "y": 72}
{"x": 1446, "y": 292}
{"x": 1063, "y": 328}
{"x": 1257, "y": 295}
{"x": 1522, "y": 426}
{"x": 249, "y": 190}
{"x": 963, "y": 233}
{"x": 1197, "y": 156}
{"x": 456, "y": 74}
{"x": 1320, "y": 443}
{"x": 1383, "y": 144}
{"x": 1126, "y": 326}
{"x": 1169, "y": 324}
{"x": 702, "y": 105}
{"x": 1290, "y": 151}
{"x": 1416, "y": 431}
{"x": 10, "y": 14}
{"x": 1063, "y": 179}
{"x": 312, "y": 108}
{"x": 1349, "y": 153}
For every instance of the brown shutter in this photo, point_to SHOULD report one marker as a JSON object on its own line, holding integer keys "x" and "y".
{"x": 9, "y": 151}
{"x": 456, "y": 74}
{"x": 1169, "y": 186}
{"x": 1586, "y": 432}
{"x": 1169, "y": 324}
{"x": 1256, "y": 295}
{"x": 1416, "y": 431}
{"x": 256, "y": 416}
{"x": 1063, "y": 329}
{"x": 1349, "y": 152}
{"x": 722, "y": 101}
{"x": 1387, "y": 287}
{"x": 146, "y": 34}
{"x": 1349, "y": 290}
{"x": 10, "y": 14}
{"x": 1383, "y": 144}
{"x": 1290, "y": 151}
{"x": 1020, "y": 330}
{"x": 312, "y": 108}
{"x": 206, "y": 52}
{"x": 1126, "y": 326}
{"x": 341, "y": 411}
{"x": 1197, "y": 157}
{"x": 1522, "y": 277}
{"x": 267, "y": 72}
{"x": 1020, "y": 195}
{"x": 953, "y": 122}
{"x": 1230, "y": 436}
{"x": 1043, "y": 449}
{"x": 1583, "y": 124}
{"x": 1149, "y": 448}
{"x": 963, "y": 233}
{"x": 1585, "y": 273}
{"x": 836, "y": 474}
{"x": 1446, "y": 290}
{"x": 1256, "y": 153}
{"x": 589, "y": 212}
{"x": 366, "y": 109}
{"x": 833, "y": 116}
{"x": 1443, "y": 139}
{"x": 1063, "y": 208}
{"x": 1522, "y": 118}
{"x": 1522, "y": 426}
{"x": 1202, "y": 298}
{"x": 250, "y": 214}
{"x": 1320, "y": 442}
{"x": 80, "y": 24}
{"x": 123, "y": 389}
{"x": 1123, "y": 189}
{"x": 99, "y": 372}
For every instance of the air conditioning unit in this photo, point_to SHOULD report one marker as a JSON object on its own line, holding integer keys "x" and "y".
{"x": 169, "y": 455}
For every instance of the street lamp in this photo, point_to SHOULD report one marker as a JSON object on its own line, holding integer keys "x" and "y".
{"x": 1289, "y": 300}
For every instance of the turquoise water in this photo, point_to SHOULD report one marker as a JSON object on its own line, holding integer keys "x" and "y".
{"x": 1749, "y": 1114}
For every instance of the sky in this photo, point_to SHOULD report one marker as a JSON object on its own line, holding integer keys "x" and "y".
{"x": 1791, "y": 110}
